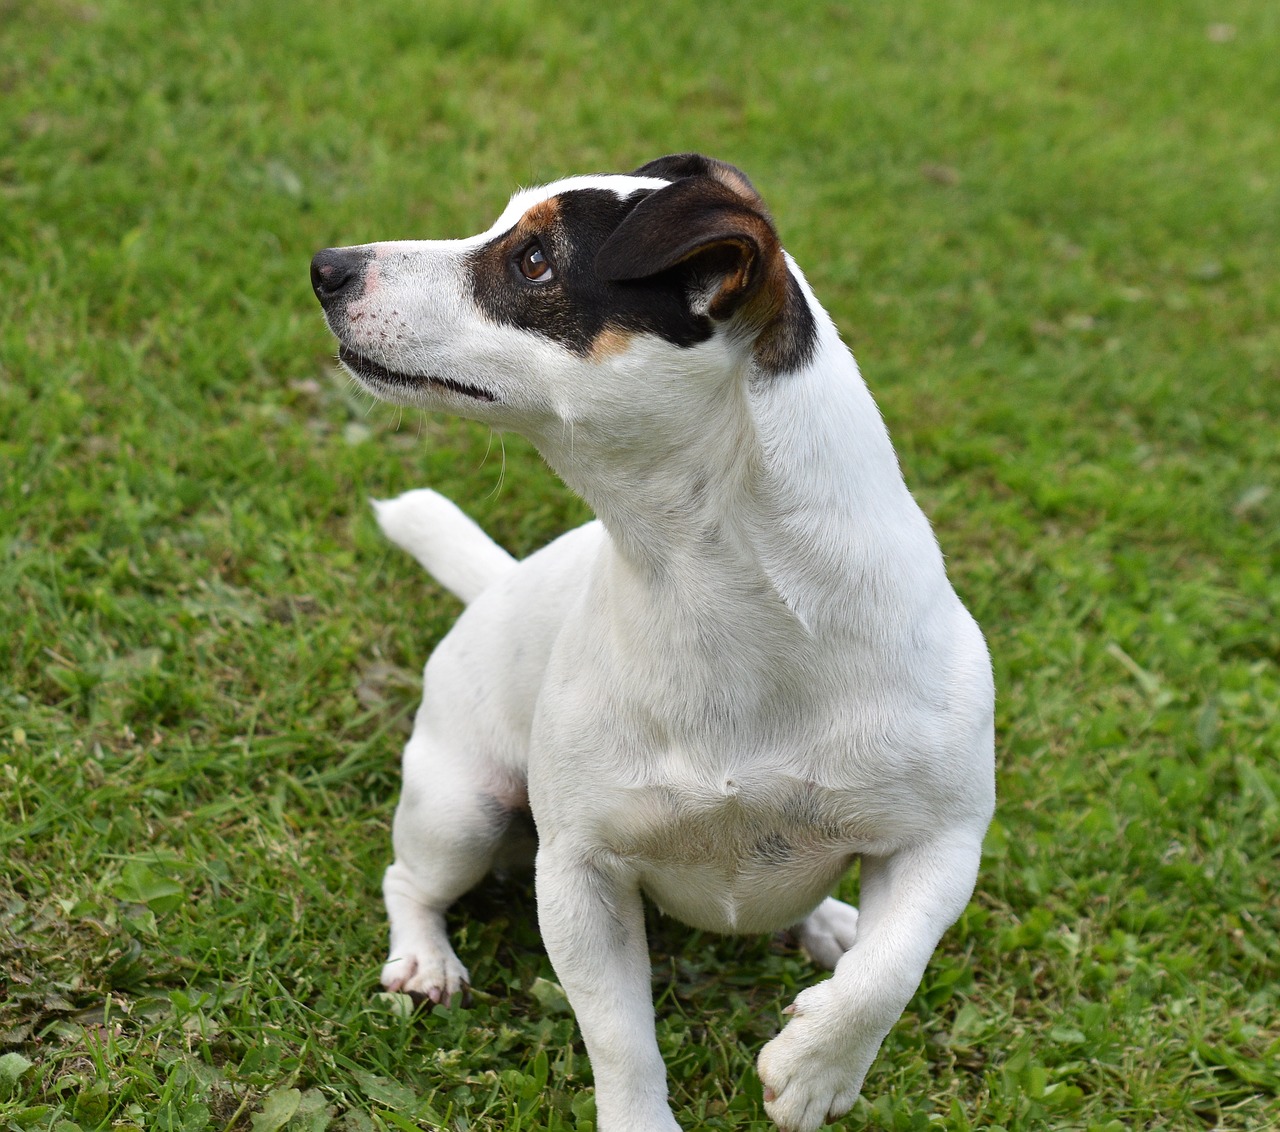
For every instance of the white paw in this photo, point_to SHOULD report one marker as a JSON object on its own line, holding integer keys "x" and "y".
{"x": 812, "y": 1072}
{"x": 828, "y": 932}
{"x": 428, "y": 974}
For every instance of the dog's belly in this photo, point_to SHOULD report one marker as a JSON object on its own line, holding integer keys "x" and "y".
{"x": 749, "y": 896}
{"x": 736, "y": 862}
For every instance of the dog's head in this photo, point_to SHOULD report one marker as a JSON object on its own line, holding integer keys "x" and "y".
{"x": 586, "y": 297}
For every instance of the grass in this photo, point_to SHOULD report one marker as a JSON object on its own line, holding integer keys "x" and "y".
{"x": 1051, "y": 233}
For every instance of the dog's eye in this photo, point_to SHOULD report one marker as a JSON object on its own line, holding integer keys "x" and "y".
{"x": 534, "y": 264}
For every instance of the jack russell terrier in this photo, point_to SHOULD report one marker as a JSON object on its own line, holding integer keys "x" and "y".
{"x": 748, "y": 673}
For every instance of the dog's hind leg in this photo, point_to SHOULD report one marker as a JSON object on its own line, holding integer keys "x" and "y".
{"x": 828, "y": 932}
{"x": 466, "y": 764}
{"x": 448, "y": 828}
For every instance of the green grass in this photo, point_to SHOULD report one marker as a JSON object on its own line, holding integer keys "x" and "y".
{"x": 1051, "y": 234}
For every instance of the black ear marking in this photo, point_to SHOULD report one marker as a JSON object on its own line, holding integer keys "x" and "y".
{"x": 696, "y": 217}
{"x": 711, "y": 218}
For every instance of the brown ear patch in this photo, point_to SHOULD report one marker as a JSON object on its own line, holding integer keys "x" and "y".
{"x": 711, "y": 223}
{"x": 788, "y": 340}
{"x": 779, "y": 313}
{"x": 696, "y": 218}
{"x": 677, "y": 165}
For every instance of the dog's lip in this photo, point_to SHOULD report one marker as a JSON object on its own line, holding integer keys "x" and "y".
{"x": 365, "y": 367}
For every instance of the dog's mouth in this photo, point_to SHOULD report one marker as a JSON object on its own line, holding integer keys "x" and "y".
{"x": 376, "y": 374}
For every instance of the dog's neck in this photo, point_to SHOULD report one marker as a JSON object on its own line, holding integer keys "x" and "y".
{"x": 785, "y": 490}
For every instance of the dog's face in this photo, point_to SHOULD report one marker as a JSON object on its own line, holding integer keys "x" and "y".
{"x": 592, "y": 301}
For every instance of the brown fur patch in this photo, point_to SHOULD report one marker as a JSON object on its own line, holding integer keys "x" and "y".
{"x": 711, "y": 215}
{"x": 576, "y": 306}
{"x": 736, "y": 180}
{"x": 610, "y": 342}
{"x": 539, "y": 220}
{"x": 777, "y": 308}
{"x": 787, "y": 338}
{"x": 543, "y": 215}
{"x": 767, "y": 274}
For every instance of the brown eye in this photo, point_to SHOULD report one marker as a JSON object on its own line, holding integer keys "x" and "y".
{"x": 534, "y": 264}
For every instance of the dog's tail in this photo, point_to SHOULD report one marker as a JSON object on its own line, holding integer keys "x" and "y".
{"x": 452, "y": 547}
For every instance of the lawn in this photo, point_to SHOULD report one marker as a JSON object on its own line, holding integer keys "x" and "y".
{"x": 1051, "y": 233}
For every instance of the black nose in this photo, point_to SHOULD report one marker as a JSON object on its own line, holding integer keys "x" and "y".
{"x": 337, "y": 273}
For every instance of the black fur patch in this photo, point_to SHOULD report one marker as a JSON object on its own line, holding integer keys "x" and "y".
{"x": 577, "y": 307}
{"x": 593, "y": 312}
{"x": 790, "y": 343}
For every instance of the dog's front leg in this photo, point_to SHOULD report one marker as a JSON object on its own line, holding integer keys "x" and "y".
{"x": 813, "y": 1070}
{"x": 592, "y": 921}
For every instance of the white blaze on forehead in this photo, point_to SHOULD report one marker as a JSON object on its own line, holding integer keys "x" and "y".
{"x": 621, "y": 184}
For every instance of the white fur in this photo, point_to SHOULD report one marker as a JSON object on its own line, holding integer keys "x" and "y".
{"x": 749, "y": 673}
{"x": 449, "y": 544}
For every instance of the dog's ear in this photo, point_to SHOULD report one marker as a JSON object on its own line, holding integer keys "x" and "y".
{"x": 677, "y": 165}
{"x": 723, "y": 237}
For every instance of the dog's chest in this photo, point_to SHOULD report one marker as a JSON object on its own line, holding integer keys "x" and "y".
{"x": 745, "y": 850}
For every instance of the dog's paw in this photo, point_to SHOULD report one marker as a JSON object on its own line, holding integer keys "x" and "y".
{"x": 812, "y": 1072}
{"x": 828, "y": 932}
{"x": 428, "y": 975}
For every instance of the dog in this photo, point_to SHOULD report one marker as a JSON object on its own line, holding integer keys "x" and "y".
{"x": 749, "y": 672}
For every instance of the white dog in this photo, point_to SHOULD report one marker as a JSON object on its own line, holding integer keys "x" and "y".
{"x": 749, "y": 673}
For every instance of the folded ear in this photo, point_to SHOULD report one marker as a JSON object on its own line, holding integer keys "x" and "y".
{"x": 677, "y": 165}
{"x": 700, "y": 221}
